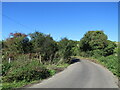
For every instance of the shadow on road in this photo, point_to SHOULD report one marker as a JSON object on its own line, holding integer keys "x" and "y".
{"x": 75, "y": 60}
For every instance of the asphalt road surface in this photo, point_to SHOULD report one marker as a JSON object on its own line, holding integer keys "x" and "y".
{"x": 83, "y": 74}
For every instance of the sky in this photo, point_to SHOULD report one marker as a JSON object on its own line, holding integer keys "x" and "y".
{"x": 60, "y": 19}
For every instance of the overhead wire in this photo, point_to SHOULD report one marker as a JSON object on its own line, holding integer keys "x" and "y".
{"x": 15, "y": 21}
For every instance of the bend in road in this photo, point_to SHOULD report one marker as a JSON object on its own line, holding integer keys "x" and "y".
{"x": 83, "y": 74}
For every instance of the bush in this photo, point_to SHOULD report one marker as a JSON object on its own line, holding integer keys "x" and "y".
{"x": 97, "y": 53}
{"x": 29, "y": 72}
{"x": 52, "y": 72}
{"x": 86, "y": 54}
{"x": 7, "y": 86}
{"x": 5, "y": 68}
{"x": 111, "y": 62}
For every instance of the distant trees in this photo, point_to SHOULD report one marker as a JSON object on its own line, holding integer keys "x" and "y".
{"x": 45, "y": 49}
{"x": 95, "y": 43}
{"x": 38, "y": 45}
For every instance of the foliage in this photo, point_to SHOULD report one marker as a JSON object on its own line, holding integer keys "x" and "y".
{"x": 111, "y": 62}
{"x": 93, "y": 40}
{"x": 39, "y": 56}
{"x": 65, "y": 47}
{"x": 29, "y": 72}
{"x": 52, "y": 72}
{"x": 44, "y": 45}
{"x": 12, "y": 86}
{"x": 110, "y": 48}
{"x": 75, "y": 48}
{"x": 95, "y": 43}
{"x": 5, "y": 67}
{"x": 16, "y": 44}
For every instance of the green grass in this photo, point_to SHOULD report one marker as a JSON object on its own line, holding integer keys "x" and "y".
{"x": 63, "y": 65}
{"x": 10, "y": 86}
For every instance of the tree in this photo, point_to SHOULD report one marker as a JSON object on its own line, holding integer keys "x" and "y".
{"x": 44, "y": 45}
{"x": 109, "y": 48}
{"x": 16, "y": 44}
{"x": 49, "y": 48}
{"x": 65, "y": 48}
{"x": 75, "y": 48}
{"x": 95, "y": 43}
{"x": 37, "y": 40}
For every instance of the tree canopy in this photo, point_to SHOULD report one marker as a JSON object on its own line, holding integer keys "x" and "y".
{"x": 96, "y": 43}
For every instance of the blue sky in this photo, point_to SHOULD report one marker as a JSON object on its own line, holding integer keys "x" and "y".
{"x": 60, "y": 19}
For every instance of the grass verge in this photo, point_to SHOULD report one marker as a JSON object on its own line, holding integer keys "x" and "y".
{"x": 13, "y": 76}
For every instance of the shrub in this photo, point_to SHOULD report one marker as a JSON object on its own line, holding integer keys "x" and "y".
{"x": 97, "y": 53}
{"x": 7, "y": 86}
{"x": 29, "y": 72}
{"x": 111, "y": 62}
{"x": 52, "y": 72}
{"x": 5, "y": 68}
